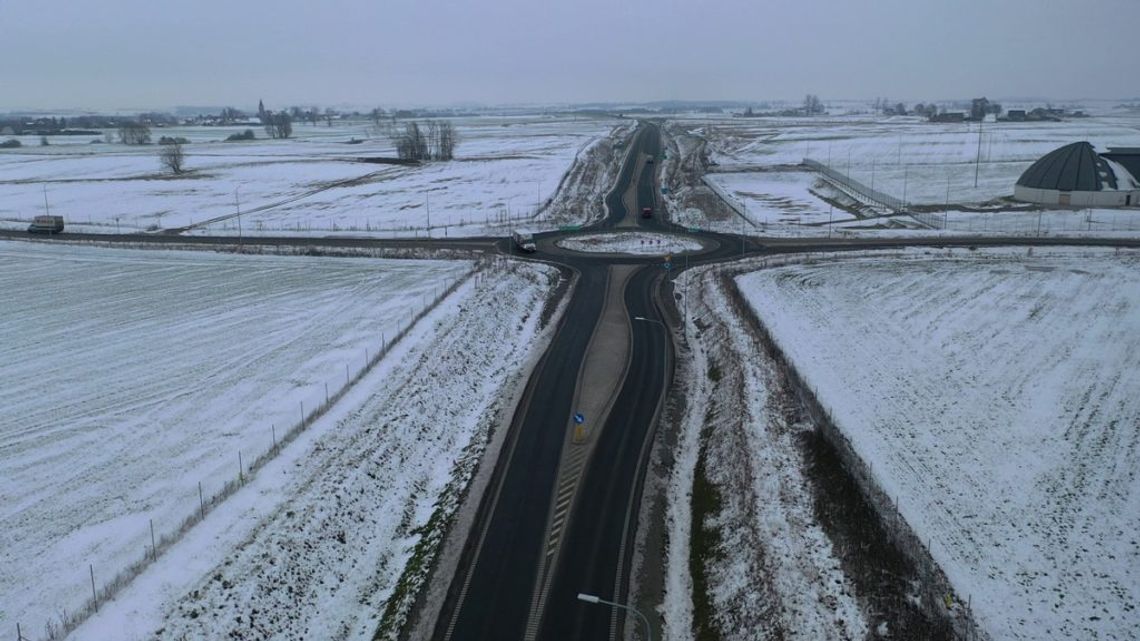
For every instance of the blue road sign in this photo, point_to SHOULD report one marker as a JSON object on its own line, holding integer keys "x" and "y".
{"x": 578, "y": 418}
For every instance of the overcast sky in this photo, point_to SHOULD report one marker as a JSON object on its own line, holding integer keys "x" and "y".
{"x": 113, "y": 54}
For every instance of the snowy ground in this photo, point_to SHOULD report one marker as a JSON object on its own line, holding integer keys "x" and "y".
{"x": 504, "y": 169}
{"x": 772, "y": 573}
{"x": 316, "y": 544}
{"x": 130, "y": 377}
{"x": 926, "y": 164}
{"x": 994, "y": 394}
{"x": 635, "y": 243}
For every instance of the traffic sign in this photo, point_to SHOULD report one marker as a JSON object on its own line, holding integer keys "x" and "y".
{"x": 578, "y": 418}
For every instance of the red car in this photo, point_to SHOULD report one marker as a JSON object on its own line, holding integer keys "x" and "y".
{"x": 647, "y": 212}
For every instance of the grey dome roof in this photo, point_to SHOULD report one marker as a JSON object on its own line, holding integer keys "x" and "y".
{"x": 1075, "y": 167}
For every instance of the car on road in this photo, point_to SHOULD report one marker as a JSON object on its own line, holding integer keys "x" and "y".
{"x": 647, "y": 212}
{"x": 46, "y": 225}
{"x": 649, "y": 160}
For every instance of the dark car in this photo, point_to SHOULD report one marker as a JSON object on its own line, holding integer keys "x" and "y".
{"x": 647, "y": 212}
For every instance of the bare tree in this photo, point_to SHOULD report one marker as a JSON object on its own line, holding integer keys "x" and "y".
{"x": 812, "y": 105}
{"x": 278, "y": 125}
{"x": 411, "y": 143}
{"x": 432, "y": 127}
{"x": 448, "y": 139}
{"x": 172, "y": 157}
{"x": 230, "y": 115}
{"x": 134, "y": 133}
{"x": 431, "y": 140}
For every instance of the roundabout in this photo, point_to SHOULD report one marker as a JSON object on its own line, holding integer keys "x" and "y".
{"x": 632, "y": 243}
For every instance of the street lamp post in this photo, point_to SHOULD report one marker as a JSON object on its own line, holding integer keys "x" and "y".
{"x": 590, "y": 598}
{"x": 664, "y": 343}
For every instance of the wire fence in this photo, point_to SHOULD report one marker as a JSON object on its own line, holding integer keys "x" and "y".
{"x": 246, "y": 468}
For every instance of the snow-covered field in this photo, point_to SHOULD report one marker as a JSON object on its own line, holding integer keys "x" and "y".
{"x": 316, "y": 544}
{"x": 131, "y": 376}
{"x": 994, "y": 394}
{"x": 925, "y": 164}
{"x": 504, "y": 169}
{"x": 635, "y": 243}
{"x": 777, "y": 199}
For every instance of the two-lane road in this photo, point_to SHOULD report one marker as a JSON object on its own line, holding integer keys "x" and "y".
{"x": 493, "y": 594}
{"x": 597, "y": 545}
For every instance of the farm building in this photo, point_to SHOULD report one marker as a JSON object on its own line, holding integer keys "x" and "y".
{"x": 1077, "y": 176}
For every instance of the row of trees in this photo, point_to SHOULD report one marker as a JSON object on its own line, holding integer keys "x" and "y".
{"x": 979, "y": 108}
{"x": 434, "y": 140}
{"x": 134, "y": 133}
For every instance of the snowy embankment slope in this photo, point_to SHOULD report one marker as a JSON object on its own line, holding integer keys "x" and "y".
{"x": 129, "y": 377}
{"x": 772, "y": 572}
{"x": 995, "y": 395}
{"x": 314, "y": 546}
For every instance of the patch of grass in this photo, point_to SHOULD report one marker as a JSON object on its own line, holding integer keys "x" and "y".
{"x": 431, "y": 533}
{"x": 704, "y": 546}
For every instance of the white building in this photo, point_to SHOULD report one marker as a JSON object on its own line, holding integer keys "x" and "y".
{"x": 1077, "y": 176}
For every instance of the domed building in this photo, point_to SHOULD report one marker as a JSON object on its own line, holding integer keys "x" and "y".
{"x": 1077, "y": 176}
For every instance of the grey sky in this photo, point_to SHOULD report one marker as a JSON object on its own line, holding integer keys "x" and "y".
{"x": 108, "y": 54}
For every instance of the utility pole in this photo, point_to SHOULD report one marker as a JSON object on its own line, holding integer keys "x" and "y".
{"x": 47, "y": 210}
{"x": 237, "y": 206}
{"x": 906, "y": 177}
{"x": 978, "y": 163}
{"x": 946, "y": 211}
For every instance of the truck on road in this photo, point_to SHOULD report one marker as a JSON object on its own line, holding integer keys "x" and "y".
{"x": 524, "y": 241}
{"x": 46, "y": 225}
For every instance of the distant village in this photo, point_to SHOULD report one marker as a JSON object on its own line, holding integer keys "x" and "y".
{"x": 976, "y": 110}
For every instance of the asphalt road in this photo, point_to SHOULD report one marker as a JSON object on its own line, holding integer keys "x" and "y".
{"x": 491, "y": 594}
{"x": 497, "y": 571}
{"x": 594, "y": 557}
